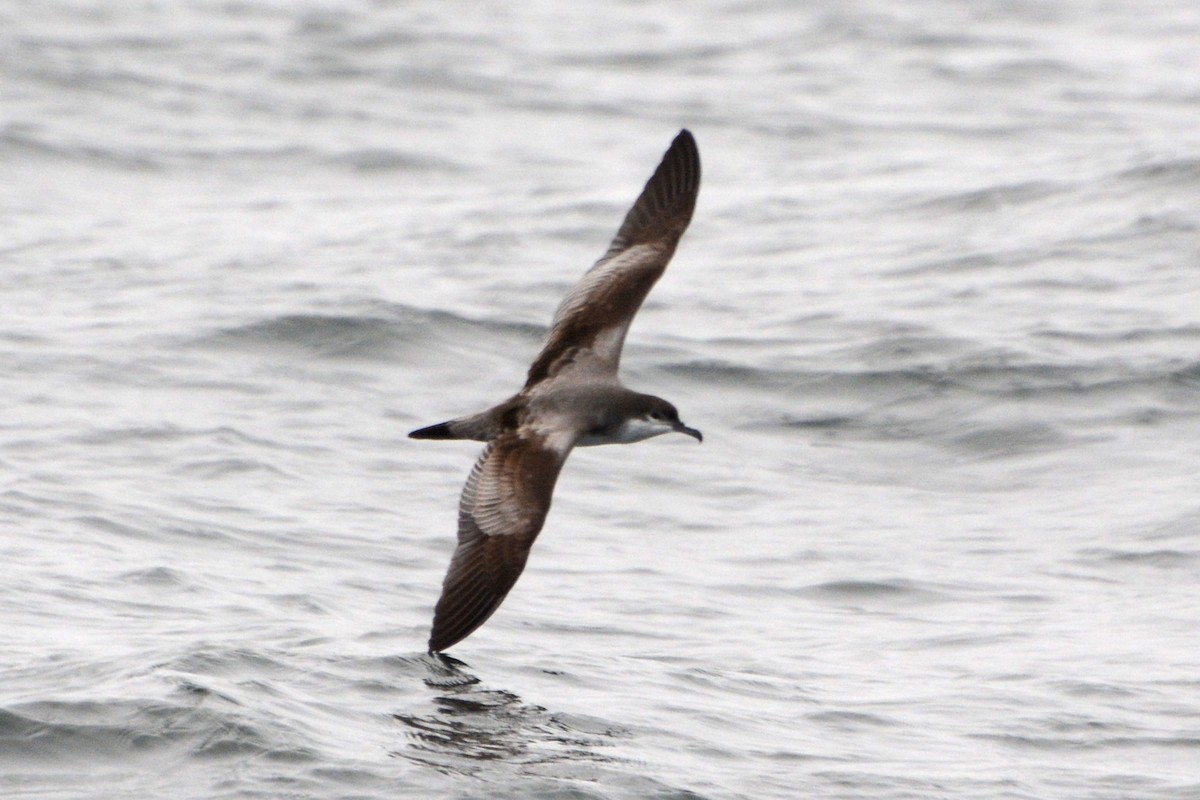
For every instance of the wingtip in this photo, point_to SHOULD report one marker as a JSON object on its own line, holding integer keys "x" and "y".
{"x": 442, "y": 640}
{"x": 686, "y": 142}
{"x": 663, "y": 210}
{"x": 439, "y": 644}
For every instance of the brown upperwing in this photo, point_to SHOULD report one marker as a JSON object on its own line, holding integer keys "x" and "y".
{"x": 612, "y": 291}
{"x": 501, "y": 512}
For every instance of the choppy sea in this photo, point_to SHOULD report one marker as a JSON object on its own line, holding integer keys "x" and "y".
{"x": 937, "y": 314}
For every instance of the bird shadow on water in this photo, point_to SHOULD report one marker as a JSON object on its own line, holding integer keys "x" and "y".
{"x": 471, "y": 729}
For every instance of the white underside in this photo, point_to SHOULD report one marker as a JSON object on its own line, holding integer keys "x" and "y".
{"x": 634, "y": 430}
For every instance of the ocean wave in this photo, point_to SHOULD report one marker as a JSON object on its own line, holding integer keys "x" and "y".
{"x": 1157, "y": 558}
{"x": 67, "y": 732}
{"x": 319, "y": 335}
{"x": 381, "y": 334}
{"x": 882, "y": 591}
{"x": 148, "y": 153}
{"x": 17, "y": 142}
{"x": 1175, "y": 172}
{"x": 978, "y": 411}
{"x": 991, "y": 197}
{"x": 1026, "y": 381}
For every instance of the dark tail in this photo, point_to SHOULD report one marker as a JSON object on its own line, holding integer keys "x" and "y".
{"x": 481, "y": 427}
{"x": 440, "y": 431}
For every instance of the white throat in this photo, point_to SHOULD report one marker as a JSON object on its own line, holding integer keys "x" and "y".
{"x": 639, "y": 429}
{"x": 632, "y": 430}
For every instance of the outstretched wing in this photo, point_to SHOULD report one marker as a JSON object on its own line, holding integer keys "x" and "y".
{"x": 502, "y": 509}
{"x": 591, "y": 323}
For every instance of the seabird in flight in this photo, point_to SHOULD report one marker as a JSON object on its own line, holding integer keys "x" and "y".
{"x": 572, "y": 398}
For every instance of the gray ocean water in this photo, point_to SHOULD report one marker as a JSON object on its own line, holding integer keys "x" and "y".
{"x": 937, "y": 316}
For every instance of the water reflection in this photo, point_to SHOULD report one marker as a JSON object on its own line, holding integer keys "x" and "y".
{"x": 471, "y": 727}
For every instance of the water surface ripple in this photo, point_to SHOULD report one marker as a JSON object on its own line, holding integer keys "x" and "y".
{"x": 936, "y": 315}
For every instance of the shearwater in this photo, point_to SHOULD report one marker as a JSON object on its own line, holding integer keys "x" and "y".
{"x": 572, "y": 398}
